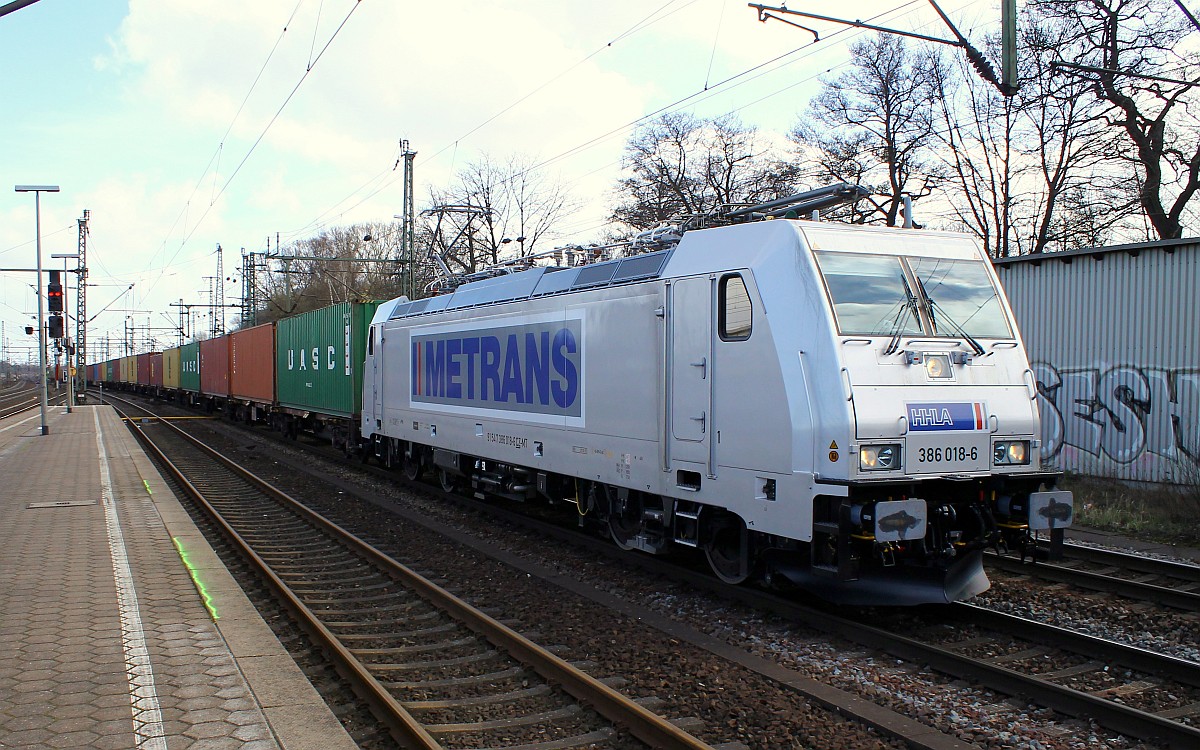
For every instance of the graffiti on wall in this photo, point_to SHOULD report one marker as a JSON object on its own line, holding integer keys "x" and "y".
{"x": 1122, "y": 421}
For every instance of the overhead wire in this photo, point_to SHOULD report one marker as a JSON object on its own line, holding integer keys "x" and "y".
{"x": 185, "y": 211}
{"x": 731, "y": 82}
{"x": 304, "y": 76}
{"x": 380, "y": 182}
{"x": 645, "y": 22}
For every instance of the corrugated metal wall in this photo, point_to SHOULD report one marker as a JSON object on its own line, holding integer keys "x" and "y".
{"x": 1114, "y": 338}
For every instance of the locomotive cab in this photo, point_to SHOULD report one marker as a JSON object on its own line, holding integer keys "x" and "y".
{"x": 941, "y": 427}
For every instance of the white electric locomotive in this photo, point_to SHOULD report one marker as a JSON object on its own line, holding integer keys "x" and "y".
{"x": 848, "y": 407}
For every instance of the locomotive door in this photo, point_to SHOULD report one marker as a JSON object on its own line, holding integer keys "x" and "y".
{"x": 376, "y": 350}
{"x": 691, "y": 369}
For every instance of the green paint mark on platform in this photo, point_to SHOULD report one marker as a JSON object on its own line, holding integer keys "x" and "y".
{"x": 195, "y": 574}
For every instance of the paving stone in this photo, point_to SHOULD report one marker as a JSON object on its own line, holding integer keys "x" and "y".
{"x": 28, "y": 738}
{"x": 210, "y": 729}
{"x": 73, "y": 739}
{"x": 32, "y": 721}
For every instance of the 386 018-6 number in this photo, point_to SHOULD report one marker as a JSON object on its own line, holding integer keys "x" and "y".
{"x": 947, "y": 454}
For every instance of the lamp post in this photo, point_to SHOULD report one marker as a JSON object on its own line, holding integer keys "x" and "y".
{"x": 37, "y": 191}
{"x": 70, "y": 358}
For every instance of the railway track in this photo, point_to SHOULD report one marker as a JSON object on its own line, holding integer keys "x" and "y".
{"x": 1162, "y": 582}
{"x": 1136, "y": 692}
{"x": 17, "y": 401}
{"x": 438, "y": 672}
{"x": 1128, "y": 690}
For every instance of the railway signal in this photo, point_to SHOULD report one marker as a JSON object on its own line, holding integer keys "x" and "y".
{"x": 54, "y": 292}
{"x": 55, "y": 326}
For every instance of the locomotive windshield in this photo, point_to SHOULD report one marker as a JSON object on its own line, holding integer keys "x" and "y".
{"x": 872, "y": 295}
{"x": 869, "y": 294}
{"x": 960, "y": 291}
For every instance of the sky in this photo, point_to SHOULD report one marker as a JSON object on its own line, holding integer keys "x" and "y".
{"x": 181, "y": 126}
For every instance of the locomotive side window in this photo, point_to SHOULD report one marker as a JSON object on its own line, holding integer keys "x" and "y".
{"x": 736, "y": 312}
{"x": 371, "y": 342}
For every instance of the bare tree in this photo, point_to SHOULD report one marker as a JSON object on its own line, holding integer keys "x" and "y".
{"x": 976, "y": 131}
{"x": 352, "y": 263}
{"x": 1132, "y": 54}
{"x": 874, "y": 125}
{"x": 681, "y": 165}
{"x": 1015, "y": 163}
{"x": 494, "y": 211}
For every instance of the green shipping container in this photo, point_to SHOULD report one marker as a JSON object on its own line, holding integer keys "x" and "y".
{"x": 189, "y": 367}
{"x": 319, "y": 358}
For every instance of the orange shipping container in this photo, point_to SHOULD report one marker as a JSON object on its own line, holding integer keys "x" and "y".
{"x": 214, "y": 366}
{"x": 252, "y": 364}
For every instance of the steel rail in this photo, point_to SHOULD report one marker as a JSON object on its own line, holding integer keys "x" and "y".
{"x": 1185, "y": 600}
{"x": 617, "y": 708}
{"x": 1140, "y": 659}
{"x": 1114, "y": 716}
{"x": 24, "y": 407}
{"x": 1154, "y": 566}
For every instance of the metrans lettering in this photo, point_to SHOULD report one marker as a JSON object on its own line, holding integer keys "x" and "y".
{"x": 531, "y": 368}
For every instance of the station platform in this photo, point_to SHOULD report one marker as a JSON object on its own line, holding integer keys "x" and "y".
{"x": 119, "y": 626}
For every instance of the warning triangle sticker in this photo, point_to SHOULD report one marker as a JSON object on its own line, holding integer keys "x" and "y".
{"x": 833, "y": 445}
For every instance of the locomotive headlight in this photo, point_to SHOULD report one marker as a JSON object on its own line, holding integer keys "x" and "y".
{"x": 938, "y": 366}
{"x": 1010, "y": 453}
{"x": 879, "y": 457}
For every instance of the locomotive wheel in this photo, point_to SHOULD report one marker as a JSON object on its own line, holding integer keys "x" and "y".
{"x": 411, "y": 468}
{"x": 446, "y": 480}
{"x": 624, "y": 517}
{"x": 727, "y": 548}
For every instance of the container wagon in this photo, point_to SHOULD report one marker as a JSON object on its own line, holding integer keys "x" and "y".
{"x": 142, "y": 379}
{"x": 318, "y": 371}
{"x": 252, "y": 372}
{"x": 156, "y": 372}
{"x": 189, "y": 373}
{"x": 127, "y": 370}
{"x": 170, "y": 371}
{"x": 214, "y": 371}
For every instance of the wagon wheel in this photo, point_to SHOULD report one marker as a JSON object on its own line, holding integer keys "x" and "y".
{"x": 727, "y": 548}
{"x": 446, "y": 480}
{"x": 625, "y": 520}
